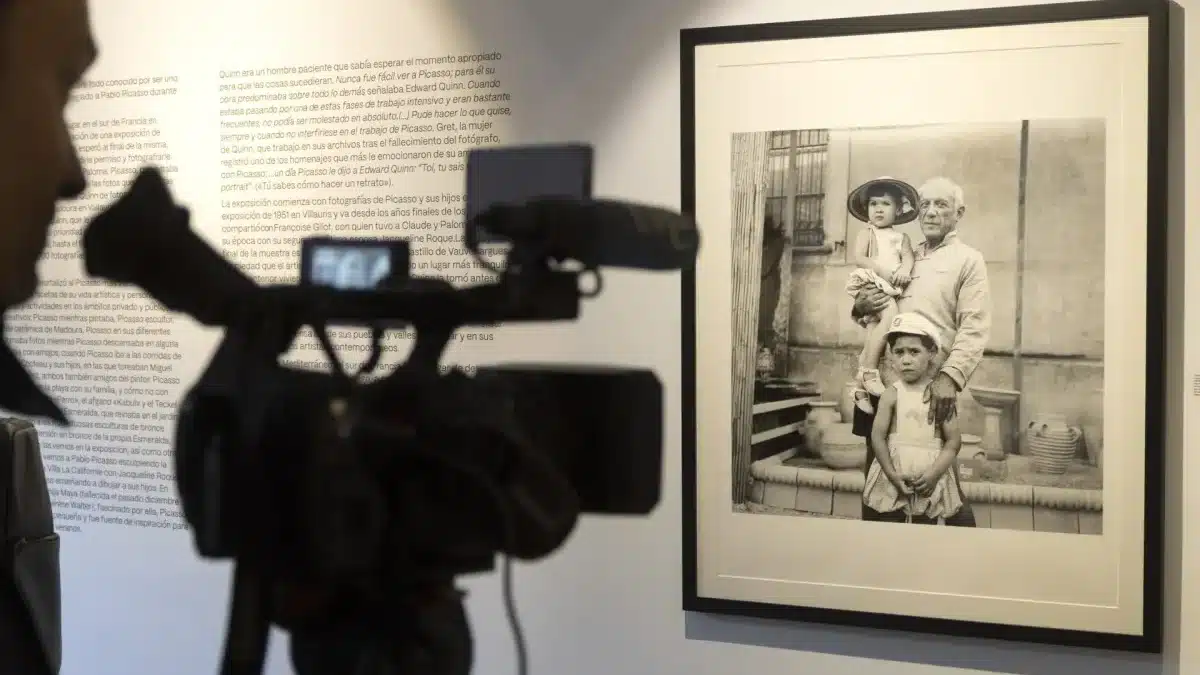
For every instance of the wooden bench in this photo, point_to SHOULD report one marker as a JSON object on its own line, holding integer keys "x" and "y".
{"x": 778, "y": 426}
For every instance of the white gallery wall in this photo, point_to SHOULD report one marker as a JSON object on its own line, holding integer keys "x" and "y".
{"x": 137, "y": 600}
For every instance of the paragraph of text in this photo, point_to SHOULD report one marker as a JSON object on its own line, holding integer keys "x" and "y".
{"x": 110, "y": 358}
{"x": 108, "y": 355}
{"x": 356, "y": 125}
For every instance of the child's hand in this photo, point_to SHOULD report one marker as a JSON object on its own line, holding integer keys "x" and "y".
{"x": 924, "y": 484}
{"x": 901, "y": 277}
{"x": 901, "y": 485}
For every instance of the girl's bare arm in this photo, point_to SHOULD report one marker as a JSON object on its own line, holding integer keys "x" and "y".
{"x": 907, "y": 256}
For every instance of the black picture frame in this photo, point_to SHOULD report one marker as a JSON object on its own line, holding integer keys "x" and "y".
{"x": 1157, "y": 13}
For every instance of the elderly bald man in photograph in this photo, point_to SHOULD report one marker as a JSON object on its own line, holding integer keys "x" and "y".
{"x": 949, "y": 287}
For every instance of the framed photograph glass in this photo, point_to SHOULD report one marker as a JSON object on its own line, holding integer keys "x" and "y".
{"x": 931, "y": 292}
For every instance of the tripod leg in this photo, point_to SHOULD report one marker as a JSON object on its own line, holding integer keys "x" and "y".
{"x": 430, "y": 636}
{"x": 249, "y": 628}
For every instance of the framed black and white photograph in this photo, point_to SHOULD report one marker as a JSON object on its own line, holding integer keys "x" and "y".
{"x": 931, "y": 292}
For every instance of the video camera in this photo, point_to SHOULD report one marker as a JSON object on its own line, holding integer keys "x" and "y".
{"x": 350, "y": 501}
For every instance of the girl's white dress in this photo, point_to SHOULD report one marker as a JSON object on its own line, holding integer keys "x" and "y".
{"x": 913, "y": 445}
{"x": 885, "y": 247}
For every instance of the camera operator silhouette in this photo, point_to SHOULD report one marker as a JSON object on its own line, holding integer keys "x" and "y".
{"x": 45, "y": 47}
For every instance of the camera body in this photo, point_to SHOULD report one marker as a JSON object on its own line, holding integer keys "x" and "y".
{"x": 351, "y": 501}
{"x": 340, "y": 481}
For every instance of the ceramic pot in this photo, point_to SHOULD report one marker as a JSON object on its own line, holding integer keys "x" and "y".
{"x": 764, "y": 365}
{"x": 841, "y": 449}
{"x": 1052, "y": 443}
{"x": 970, "y": 447}
{"x": 821, "y": 415}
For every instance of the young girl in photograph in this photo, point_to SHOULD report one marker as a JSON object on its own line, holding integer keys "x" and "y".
{"x": 884, "y": 257}
{"x": 912, "y": 471}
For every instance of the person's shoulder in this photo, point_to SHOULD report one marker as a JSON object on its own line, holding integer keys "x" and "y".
{"x": 969, "y": 252}
{"x": 970, "y": 257}
{"x": 973, "y": 261}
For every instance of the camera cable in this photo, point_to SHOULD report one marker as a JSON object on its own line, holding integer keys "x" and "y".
{"x": 507, "y": 535}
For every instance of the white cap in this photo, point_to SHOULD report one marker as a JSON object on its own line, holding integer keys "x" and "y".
{"x": 908, "y": 323}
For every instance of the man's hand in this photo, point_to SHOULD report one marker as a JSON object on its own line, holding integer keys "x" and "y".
{"x": 901, "y": 277}
{"x": 942, "y": 397}
{"x": 870, "y": 301}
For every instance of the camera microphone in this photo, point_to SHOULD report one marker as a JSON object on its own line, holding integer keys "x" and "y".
{"x": 594, "y": 232}
{"x": 145, "y": 239}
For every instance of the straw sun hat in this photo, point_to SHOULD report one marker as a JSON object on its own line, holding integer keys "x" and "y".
{"x": 856, "y": 203}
